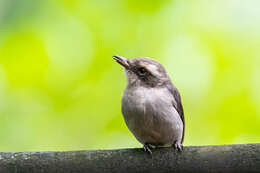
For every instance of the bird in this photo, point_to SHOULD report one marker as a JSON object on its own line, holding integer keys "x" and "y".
{"x": 151, "y": 105}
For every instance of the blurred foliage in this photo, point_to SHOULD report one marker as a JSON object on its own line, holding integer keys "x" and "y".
{"x": 61, "y": 90}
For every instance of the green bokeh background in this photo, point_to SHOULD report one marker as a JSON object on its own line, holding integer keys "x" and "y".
{"x": 61, "y": 90}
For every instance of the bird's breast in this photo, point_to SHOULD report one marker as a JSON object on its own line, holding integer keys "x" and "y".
{"x": 138, "y": 100}
{"x": 149, "y": 114}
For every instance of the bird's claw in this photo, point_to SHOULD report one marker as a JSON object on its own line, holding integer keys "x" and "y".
{"x": 177, "y": 146}
{"x": 147, "y": 148}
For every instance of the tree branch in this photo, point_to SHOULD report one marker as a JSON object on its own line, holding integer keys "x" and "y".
{"x": 230, "y": 158}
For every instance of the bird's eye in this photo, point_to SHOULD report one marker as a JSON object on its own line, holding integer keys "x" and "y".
{"x": 142, "y": 71}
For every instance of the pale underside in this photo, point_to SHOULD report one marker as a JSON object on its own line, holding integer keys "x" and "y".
{"x": 150, "y": 115}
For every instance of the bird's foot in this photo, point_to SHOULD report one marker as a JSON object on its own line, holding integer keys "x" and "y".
{"x": 177, "y": 146}
{"x": 148, "y": 148}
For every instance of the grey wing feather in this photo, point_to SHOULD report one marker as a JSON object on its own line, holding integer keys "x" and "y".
{"x": 177, "y": 105}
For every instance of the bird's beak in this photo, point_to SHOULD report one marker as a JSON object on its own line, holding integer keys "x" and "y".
{"x": 122, "y": 61}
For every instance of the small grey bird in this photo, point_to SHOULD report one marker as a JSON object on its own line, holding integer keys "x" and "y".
{"x": 151, "y": 104}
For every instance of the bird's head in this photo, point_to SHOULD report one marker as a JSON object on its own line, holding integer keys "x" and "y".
{"x": 144, "y": 72}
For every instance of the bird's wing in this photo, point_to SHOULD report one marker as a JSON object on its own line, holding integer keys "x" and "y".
{"x": 177, "y": 105}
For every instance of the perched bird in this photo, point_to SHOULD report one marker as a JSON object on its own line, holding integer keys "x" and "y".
{"x": 151, "y": 104}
